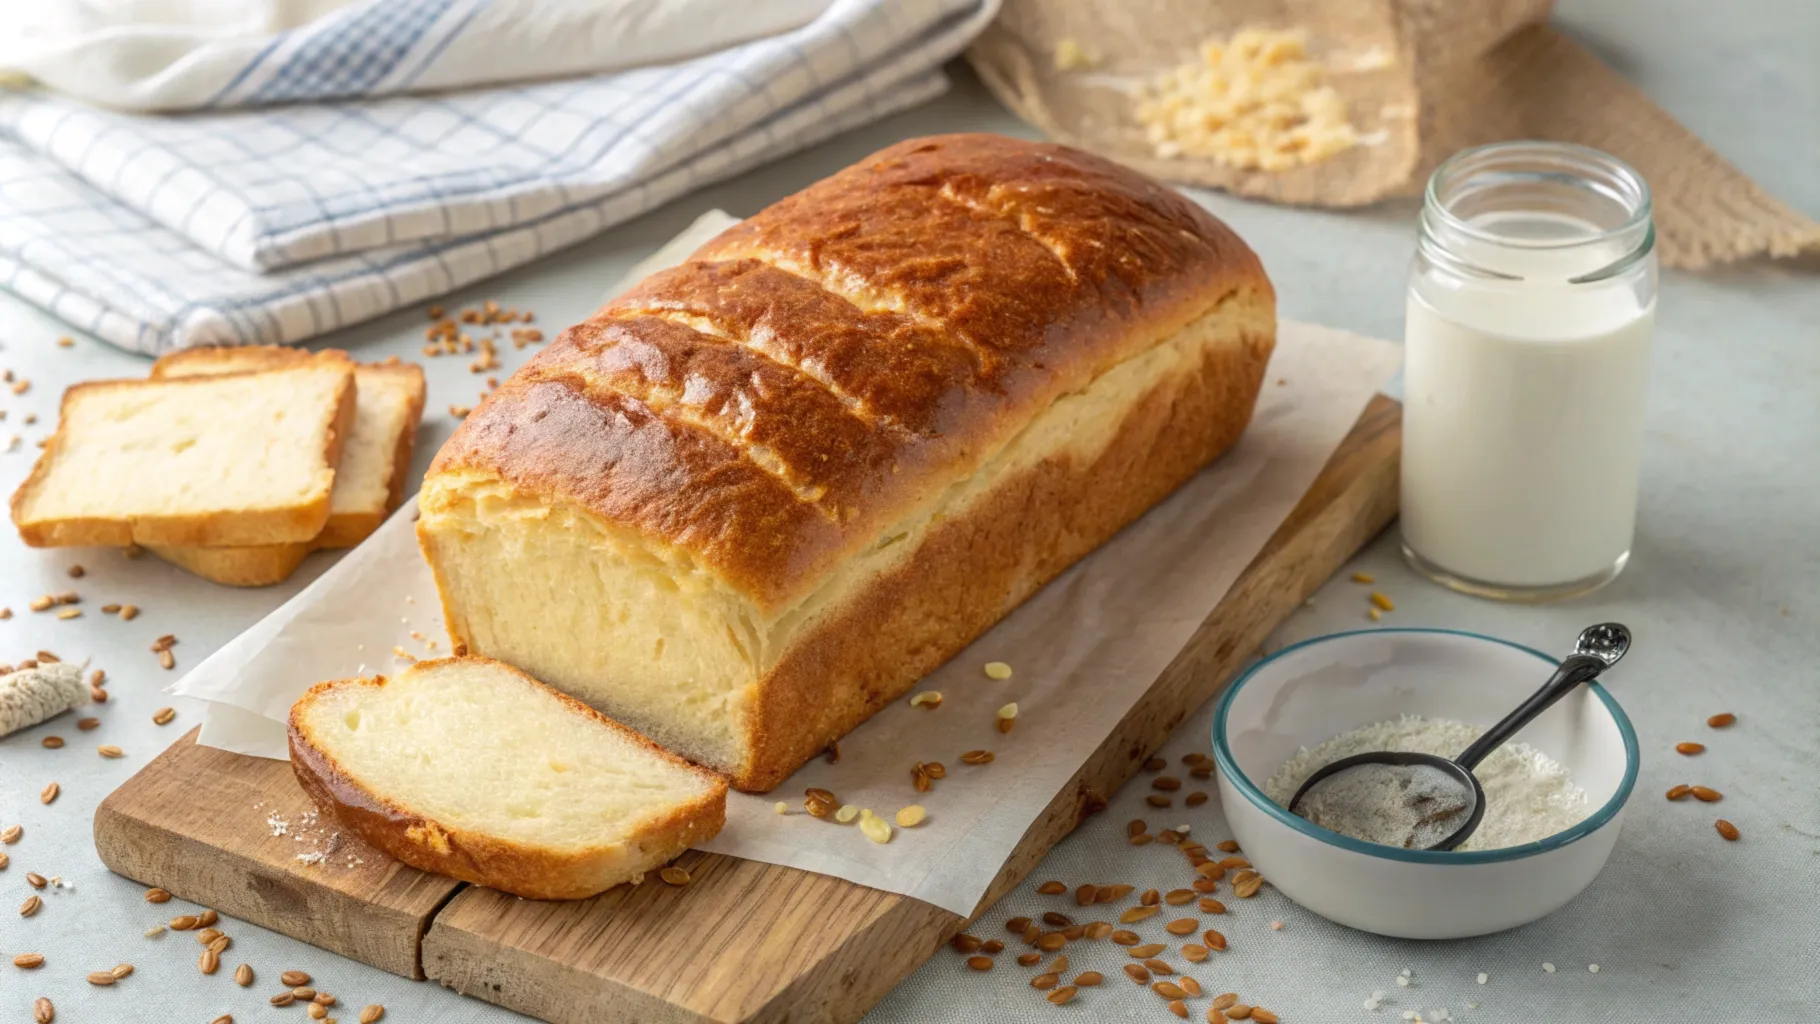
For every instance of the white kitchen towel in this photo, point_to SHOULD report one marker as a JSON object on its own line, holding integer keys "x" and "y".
{"x": 274, "y": 224}
{"x": 190, "y": 54}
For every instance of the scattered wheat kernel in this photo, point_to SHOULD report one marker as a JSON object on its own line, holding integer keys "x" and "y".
{"x": 1679, "y": 792}
{"x": 372, "y": 1014}
{"x": 1720, "y": 721}
{"x": 930, "y": 699}
{"x": 67, "y": 614}
{"x": 847, "y": 813}
{"x": 1006, "y": 715}
{"x": 154, "y": 931}
{"x": 997, "y": 670}
{"x": 1706, "y": 795}
{"x": 1382, "y": 601}
{"x": 781, "y": 807}
{"x": 1373, "y": 614}
{"x": 1689, "y": 749}
{"x": 1363, "y": 577}
{"x": 129, "y": 612}
{"x": 911, "y": 816}
{"x": 1727, "y": 829}
{"x": 876, "y": 828}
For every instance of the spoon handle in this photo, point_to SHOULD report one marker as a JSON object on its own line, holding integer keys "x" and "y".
{"x": 1574, "y": 670}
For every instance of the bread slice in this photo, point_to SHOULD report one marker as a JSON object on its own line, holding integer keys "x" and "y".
{"x": 243, "y": 458}
{"x": 369, "y": 483}
{"x": 469, "y": 768}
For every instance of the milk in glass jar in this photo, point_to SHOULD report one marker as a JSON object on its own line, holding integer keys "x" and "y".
{"x": 1530, "y": 304}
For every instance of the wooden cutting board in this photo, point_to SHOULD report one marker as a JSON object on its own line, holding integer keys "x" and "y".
{"x": 743, "y": 942}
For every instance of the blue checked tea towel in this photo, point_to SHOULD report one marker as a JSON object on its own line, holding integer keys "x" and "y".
{"x": 274, "y": 223}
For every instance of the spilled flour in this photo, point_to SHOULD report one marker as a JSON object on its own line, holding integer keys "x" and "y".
{"x": 1528, "y": 795}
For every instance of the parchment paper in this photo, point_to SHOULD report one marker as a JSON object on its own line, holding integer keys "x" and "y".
{"x": 1082, "y": 650}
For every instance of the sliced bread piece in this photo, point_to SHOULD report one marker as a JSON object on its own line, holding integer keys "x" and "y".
{"x": 245, "y": 458}
{"x": 369, "y": 483}
{"x": 469, "y": 768}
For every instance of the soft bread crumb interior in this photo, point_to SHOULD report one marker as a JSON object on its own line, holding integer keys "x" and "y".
{"x": 160, "y": 447}
{"x": 382, "y": 405}
{"x": 383, "y": 399}
{"x": 653, "y": 639}
{"x": 474, "y": 746}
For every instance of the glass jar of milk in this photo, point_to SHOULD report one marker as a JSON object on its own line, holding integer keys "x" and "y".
{"x": 1531, "y": 300}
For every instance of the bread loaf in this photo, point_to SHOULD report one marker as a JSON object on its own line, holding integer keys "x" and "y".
{"x": 754, "y": 499}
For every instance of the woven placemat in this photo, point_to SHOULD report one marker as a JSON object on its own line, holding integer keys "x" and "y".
{"x": 1423, "y": 79}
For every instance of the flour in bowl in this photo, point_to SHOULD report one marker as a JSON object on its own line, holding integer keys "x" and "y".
{"x": 1528, "y": 795}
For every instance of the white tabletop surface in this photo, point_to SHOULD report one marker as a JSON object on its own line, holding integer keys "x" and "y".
{"x": 1723, "y": 594}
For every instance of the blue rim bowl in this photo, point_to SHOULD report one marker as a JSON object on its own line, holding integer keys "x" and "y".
{"x": 1222, "y": 755}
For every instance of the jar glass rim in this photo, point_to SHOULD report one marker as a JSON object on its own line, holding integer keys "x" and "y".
{"x": 1608, "y": 174}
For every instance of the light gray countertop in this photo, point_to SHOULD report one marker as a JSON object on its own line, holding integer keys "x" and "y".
{"x": 1723, "y": 593}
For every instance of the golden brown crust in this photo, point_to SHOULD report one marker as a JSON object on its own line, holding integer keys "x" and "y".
{"x": 251, "y": 565}
{"x": 518, "y": 868}
{"x": 215, "y": 360}
{"x": 819, "y": 368}
{"x": 974, "y": 569}
{"x": 289, "y": 524}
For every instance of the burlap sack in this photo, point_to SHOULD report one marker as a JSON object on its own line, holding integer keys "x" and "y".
{"x": 1423, "y": 78}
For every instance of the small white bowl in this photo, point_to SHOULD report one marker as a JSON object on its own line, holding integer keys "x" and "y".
{"x": 1315, "y": 690}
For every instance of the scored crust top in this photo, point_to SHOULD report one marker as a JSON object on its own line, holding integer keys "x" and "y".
{"x": 816, "y": 370}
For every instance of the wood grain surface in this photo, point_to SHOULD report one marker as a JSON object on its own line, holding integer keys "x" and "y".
{"x": 197, "y": 822}
{"x": 744, "y": 941}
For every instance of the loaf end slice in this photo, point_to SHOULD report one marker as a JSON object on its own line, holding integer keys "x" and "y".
{"x": 469, "y": 768}
{"x": 229, "y": 460}
{"x": 250, "y": 565}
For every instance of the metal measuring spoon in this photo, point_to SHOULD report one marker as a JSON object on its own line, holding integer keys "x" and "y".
{"x": 1598, "y": 649}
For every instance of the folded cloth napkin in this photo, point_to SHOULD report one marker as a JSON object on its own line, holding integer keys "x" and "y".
{"x": 276, "y": 223}
{"x": 189, "y": 54}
